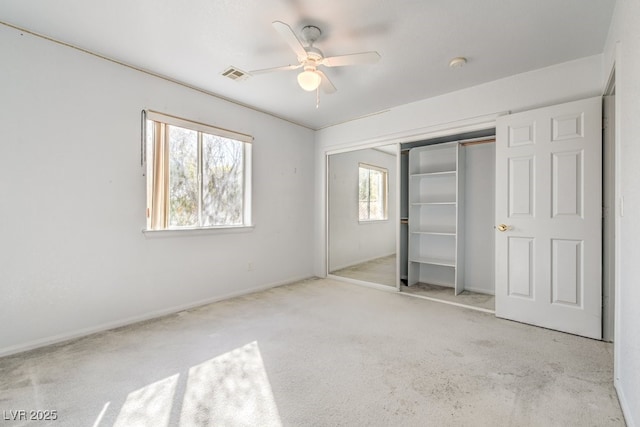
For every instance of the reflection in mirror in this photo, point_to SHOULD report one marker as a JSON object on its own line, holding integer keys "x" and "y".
{"x": 362, "y": 214}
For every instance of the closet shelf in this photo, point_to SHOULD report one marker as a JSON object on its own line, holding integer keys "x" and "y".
{"x": 432, "y": 203}
{"x": 436, "y": 232}
{"x": 434, "y": 261}
{"x": 426, "y": 174}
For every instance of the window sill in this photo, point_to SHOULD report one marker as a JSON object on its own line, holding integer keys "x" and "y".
{"x": 204, "y": 231}
{"x": 372, "y": 221}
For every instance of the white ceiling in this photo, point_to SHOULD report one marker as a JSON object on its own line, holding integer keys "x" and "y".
{"x": 195, "y": 41}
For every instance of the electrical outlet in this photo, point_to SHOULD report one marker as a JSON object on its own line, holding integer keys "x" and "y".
{"x": 249, "y": 266}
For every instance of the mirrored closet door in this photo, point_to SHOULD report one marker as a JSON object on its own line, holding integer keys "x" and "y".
{"x": 362, "y": 217}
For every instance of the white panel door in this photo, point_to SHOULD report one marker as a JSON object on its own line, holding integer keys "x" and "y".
{"x": 548, "y": 217}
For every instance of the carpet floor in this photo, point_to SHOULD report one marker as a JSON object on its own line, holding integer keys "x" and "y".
{"x": 444, "y": 293}
{"x": 317, "y": 353}
{"x": 380, "y": 270}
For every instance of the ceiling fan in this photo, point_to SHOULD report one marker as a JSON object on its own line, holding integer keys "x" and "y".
{"x": 310, "y": 58}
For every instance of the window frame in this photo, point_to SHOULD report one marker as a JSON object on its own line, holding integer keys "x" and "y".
{"x": 384, "y": 193}
{"x": 149, "y": 118}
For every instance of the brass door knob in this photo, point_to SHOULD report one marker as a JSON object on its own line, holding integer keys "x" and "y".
{"x": 503, "y": 227}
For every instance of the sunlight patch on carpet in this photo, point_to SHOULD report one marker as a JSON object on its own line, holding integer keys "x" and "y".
{"x": 149, "y": 406}
{"x": 231, "y": 389}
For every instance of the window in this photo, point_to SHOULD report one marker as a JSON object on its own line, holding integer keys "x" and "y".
{"x": 198, "y": 176}
{"x": 372, "y": 191}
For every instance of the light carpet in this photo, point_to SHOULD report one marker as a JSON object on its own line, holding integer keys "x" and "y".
{"x": 321, "y": 353}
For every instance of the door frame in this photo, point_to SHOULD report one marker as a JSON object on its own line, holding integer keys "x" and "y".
{"x": 611, "y": 86}
{"x": 610, "y": 148}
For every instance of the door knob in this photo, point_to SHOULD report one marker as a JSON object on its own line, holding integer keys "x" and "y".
{"x": 503, "y": 227}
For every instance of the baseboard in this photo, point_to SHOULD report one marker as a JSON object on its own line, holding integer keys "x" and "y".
{"x": 624, "y": 405}
{"x": 57, "y": 339}
{"x": 351, "y": 264}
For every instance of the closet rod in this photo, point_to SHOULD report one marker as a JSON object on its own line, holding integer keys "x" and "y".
{"x": 482, "y": 141}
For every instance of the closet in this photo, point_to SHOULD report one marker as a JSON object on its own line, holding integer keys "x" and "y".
{"x": 436, "y": 215}
{"x": 447, "y": 205}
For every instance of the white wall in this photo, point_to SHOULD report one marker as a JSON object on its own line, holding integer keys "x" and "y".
{"x": 72, "y": 199}
{"x": 623, "y": 48}
{"x": 350, "y": 241}
{"x": 479, "y": 214}
{"x": 560, "y": 83}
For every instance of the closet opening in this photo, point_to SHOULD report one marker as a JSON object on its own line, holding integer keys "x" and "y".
{"x": 447, "y": 206}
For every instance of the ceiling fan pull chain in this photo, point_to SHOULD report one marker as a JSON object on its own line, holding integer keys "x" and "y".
{"x": 317, "y": 97}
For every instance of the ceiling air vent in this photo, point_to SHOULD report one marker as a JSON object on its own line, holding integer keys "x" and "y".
{"x": 235, "y": 74}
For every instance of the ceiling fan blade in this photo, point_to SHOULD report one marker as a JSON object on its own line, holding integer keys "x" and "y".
{"x": 325, "y": 83}
{"x": 269, "y": 70}
{"x": 290, "y": 37}
{"x": 353, "y": 59}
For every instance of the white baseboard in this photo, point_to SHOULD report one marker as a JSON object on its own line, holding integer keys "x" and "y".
{"x": 624, "y": 405}
{"x": 56, "y": 339}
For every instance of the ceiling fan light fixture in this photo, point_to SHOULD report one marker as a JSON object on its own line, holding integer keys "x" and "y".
{"x": 309, "y": 80}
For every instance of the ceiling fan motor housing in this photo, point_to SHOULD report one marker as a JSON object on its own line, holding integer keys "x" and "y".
{"x": 313, "y": 54}
{"x": 311, "y": 33}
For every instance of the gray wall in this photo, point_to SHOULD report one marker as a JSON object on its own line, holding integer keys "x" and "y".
{"x": 73, "y": 258}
